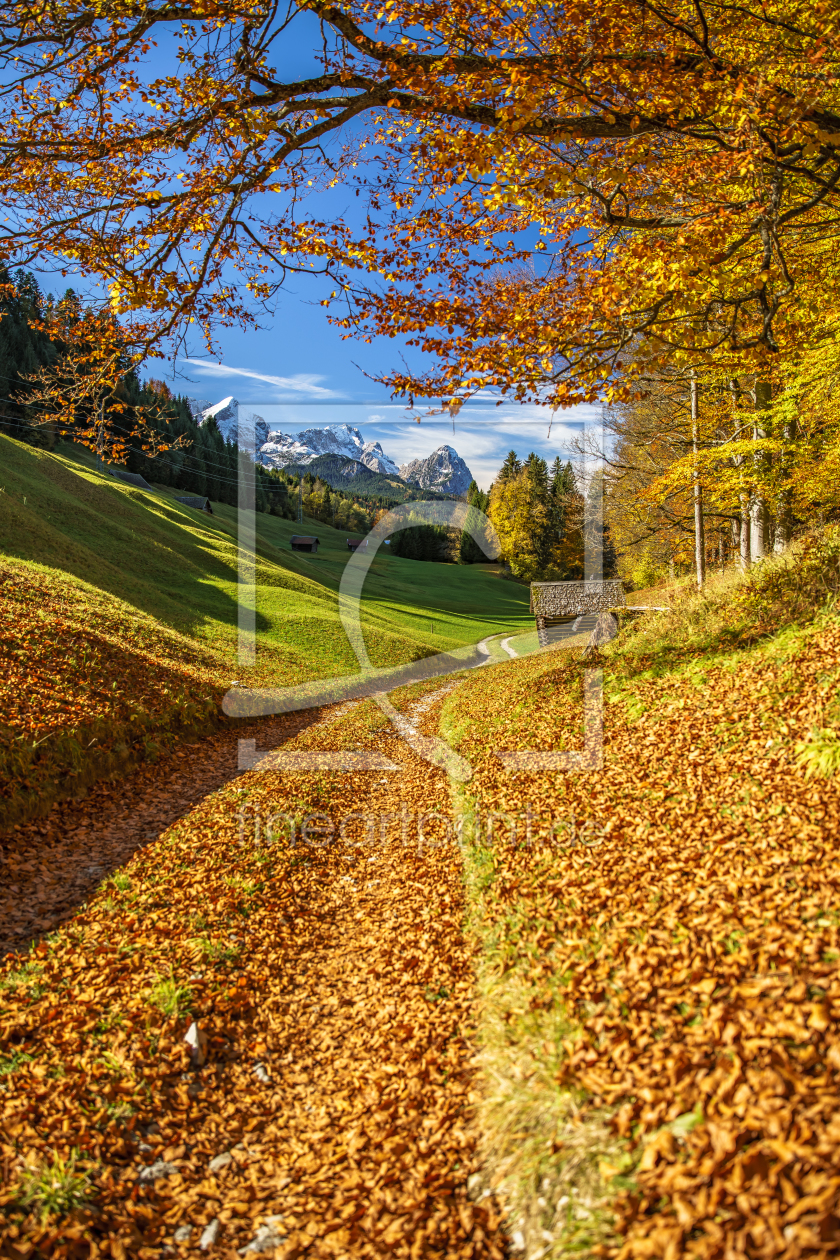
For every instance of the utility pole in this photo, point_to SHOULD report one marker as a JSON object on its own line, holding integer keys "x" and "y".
{"x": 699, "y": 540}
{"x": 101, "y": 436}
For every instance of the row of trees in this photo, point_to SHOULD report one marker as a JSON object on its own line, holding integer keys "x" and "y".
{"x": 334, "y": 507}
{"x": 548, "y": 529}
{"x": 708, "y": 469}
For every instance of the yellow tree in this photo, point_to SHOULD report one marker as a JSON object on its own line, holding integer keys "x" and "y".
{"x": 679, "y": 165}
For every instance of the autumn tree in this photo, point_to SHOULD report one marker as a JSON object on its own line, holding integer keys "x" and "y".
{"x": 681, "y": 165}
{"x": 538, "y": 519}
{"x": 80, "y": 391}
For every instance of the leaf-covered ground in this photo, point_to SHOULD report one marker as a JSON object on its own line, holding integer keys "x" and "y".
{"x": 672, "y": 925}
{"x": 656, "y": 945}
{"x": 331, "y": 977}
{"x": 88, "y": 686}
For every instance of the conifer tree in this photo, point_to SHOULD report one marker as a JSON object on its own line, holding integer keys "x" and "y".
{"x": 469, "y": 551}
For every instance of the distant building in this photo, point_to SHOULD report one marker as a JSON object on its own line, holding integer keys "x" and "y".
{"x": 353, "y": 544}
{"x": 304, "y": 542}
{"x": 196, "y": 501}
{"x": 133, "y": 479}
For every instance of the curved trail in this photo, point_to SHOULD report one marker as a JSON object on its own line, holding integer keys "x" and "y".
{"x": 341, "y": 1097}
{"x": 50, "y": 865}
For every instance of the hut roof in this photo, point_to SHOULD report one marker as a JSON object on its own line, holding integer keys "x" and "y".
{"x": 133, "y": 479}
{"x": 195, "y": 501}
{"x": 304, "y": 538}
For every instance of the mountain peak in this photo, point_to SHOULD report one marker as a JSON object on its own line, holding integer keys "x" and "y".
{"x": 230, "y": 417}
{"x": 443, "y": 470}
{"x": 333, "y": 439}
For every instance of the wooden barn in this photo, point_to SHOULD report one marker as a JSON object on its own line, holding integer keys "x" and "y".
{"x": 561, "y": 608}
{"x": 196, "y": 501}
{"x": 131, "y": 479}
{"x": 353, "y": 544}
{"x": 304, "y": 542}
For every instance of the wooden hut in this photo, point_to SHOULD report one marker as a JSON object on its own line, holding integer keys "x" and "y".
{"x": 353, "y": 544}
{"x": 304, "y": 542}
{"x": 558, "y": 605}
{"x": 132, "y": 479}
{"x": 196, "y": 501}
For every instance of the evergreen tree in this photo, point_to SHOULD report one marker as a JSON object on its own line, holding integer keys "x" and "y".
{"x": 421, "y": 542}
{"x": 534, "y": 513}
{"x": 511, "y": 468}
{"x": 23, "y": 349}
{"x": 469, "y": 551}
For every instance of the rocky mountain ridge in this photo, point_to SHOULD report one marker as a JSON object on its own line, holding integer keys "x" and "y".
{"x": 444, "y": 471}
{"x": 335, "y": 439}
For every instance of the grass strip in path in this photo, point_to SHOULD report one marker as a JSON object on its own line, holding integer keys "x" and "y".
{"x": 661, "y": 945}
{"x": 331, "y": 979}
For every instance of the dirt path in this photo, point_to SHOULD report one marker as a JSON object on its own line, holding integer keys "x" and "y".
{"x": 333, "y": 1116}
{"x": 49, "y": 866}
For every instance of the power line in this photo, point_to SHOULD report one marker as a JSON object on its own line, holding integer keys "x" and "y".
{"x": 221, "y": 480}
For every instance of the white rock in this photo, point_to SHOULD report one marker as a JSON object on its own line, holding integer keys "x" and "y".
{"x": 210, "y": 1234}
{"x": 267, "y": 1237}
{"x": 517, "y": 1239}
{"x": 196, "y": 1039}
{"x": 183, "y": 1233}
{"x": 153, "y": 1172}
{"x": 261, "y": 1073}
{"x": 220, "y": 1162}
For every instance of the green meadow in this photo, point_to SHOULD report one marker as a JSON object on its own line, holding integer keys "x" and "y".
{"x": 179, "y": 566}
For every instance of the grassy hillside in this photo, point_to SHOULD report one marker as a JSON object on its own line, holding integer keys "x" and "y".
{"x": 660, "y": 937}
{"x": 95, "y": 565}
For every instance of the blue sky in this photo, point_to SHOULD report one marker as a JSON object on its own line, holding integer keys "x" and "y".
{"x": 297, "y": 373}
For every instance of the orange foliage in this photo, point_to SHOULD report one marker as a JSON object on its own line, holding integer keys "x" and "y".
{"x": 680, "y": 167}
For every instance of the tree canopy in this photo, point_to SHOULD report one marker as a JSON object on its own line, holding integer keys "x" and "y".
{"x": 679, "y": 163}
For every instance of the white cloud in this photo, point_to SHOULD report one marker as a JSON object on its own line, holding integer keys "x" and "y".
{"x": 304, "y": 383}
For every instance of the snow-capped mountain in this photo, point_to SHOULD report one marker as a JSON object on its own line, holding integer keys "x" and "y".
{"x": 231, "y": 417}
{"x": 336, "y": 439}
{"x": 443, "y": 470}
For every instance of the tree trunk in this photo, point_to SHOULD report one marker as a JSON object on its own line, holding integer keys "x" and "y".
{"x": 784, "y": 518}
{"x": 746, "y": 559}
{"x": 759, "y": 520}
{"x": 699, "y": 541}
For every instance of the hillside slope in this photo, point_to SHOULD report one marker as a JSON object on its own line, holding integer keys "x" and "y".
{"x": 111, "y": 587}
{"x": 660, "y": 937}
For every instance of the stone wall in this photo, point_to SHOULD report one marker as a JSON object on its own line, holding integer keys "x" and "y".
{"x": 560, "y": 599}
